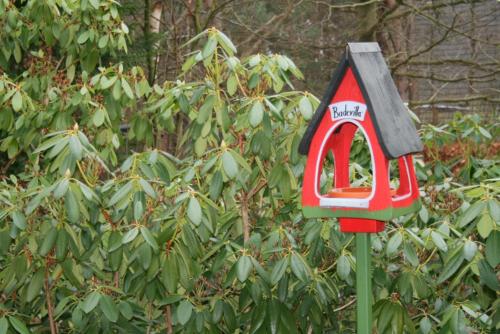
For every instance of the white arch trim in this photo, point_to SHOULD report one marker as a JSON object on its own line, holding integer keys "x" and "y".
{"x": 328, "y": 202}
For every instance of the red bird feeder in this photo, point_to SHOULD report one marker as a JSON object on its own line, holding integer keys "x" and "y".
{"x": 361, "y": 97}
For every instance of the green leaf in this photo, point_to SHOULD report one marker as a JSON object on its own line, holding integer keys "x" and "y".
{"x": 126, "y": 310}
{"x": 61, "y": 188}
{"x": 229, "y": 164}
{"x": 256, "y": 113}
{"x": 98, "y": 118}
{"x": 425, "y": 325}
{"x": 494, "y": 209}
{"x": 420, "y": 286}
{"x": 226, "y": 43}
{"x": 394, "y": 243}
{"x": 127, "y": 89}
{"x": 35, "y": 285}
{"x": 190, "y": 61}
{"x": 19, "y": 220}
{"x": 451, "y": 265}
{"x": 90, "y": 302}
{"x": 149, "y": 238}
{"x": 17, "y": 101}
{"x": 170, "y": 273}
{"x": 240, "y": 160}
{"x": 274, "y": 311}
{"x": 254, "y": 60}
{"x": 410, "y": 254}
{"x": 148, "y": 189}
{"x": 138, "y": 210}
{"x": 488, "y": 276}
{"x": 144, "y": 255}
{"x": 75, "y": 147}
{"x": 493, "y": 248}
{"x": 209, "y": 47}
{"x": 48, "y": 144}
{"x": 299, "y": 267}
{"x": 343, "y": 267}
{"x": 18, "y": 325}
{"x": 232, "y": 84}
{"x": 215, "y": 188}
{"x": 457, "y": 321}
{"x": 171, "y": 299}
{"x": 72, "y": 207}
{"x": 48, "y": 242}
{"x": 62, "y": 244}
{"x": 120, "y": 194}
{"x": 243, "y": 268}
{"x": 109, "y": 308}
{"x": 184, "y": 311}
{"x": 470, "y": 248}
{"x": 4, "y": 325}
{"x": 194, "y": 211}
{"x": 117, "y": 90}
{"x": 200, "y": 146}
{"x": 206, "y": 109}
{"x": 83, "y": 37}
{"x": 94, "y": 3}
{"x": 485, "y": 225}
{"x": 485, "y": 132}
{"x": 17, "y": 53}
{"x": 471, "y": 213}
{"x": 103, "y": 41}
{"x": 439, "y": 241}
{"x": 106, "y": 82}
{"x": 71, "y": 72}
{"x": 279, "y": 270}
{"x": 258, "y": 317}
{"x": 5, "y": 241}
{"x": 130, "y": 235}
{"x": 424, "y": 214}
{"x": 305, "y": 108}
{"x": 123, "y": 26}
{"x": 218, "y": 311}
{"x": 114, "y": 241}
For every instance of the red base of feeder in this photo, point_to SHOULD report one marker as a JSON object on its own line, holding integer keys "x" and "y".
{"x": 360, "y": 225}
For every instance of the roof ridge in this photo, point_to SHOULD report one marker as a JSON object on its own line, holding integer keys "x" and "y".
{"x": 363, "y": 47}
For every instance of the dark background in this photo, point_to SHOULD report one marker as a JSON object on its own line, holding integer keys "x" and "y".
{"x": 444, "y": 55}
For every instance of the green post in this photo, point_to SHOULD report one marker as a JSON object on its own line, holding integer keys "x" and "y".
{"x": 363, "y": 283}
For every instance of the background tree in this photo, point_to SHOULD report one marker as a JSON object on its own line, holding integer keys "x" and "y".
{"x": 444, "y": 54}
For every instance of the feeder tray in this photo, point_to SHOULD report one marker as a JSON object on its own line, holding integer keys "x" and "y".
{"x": 353, "y": 192}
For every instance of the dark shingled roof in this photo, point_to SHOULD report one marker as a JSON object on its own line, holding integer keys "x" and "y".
{"x": 395, "y": 129}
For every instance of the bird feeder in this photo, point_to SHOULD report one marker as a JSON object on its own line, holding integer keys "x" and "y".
{"x": 361, "y": 97}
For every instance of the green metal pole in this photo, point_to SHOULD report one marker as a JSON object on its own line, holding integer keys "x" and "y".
{"x": 363, "y": 283}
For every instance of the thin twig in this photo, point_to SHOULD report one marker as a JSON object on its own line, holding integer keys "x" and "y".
{"x": 244, "y": 217}
{"x": 345, "y": 306}
{"x": 168, "y": 319}
{"x": 50, "y": 307}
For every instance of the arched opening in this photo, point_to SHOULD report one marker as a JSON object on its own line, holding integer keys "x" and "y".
{"x": 327, "y": 176}
{"x": 345, "y": 174}
{"x": 393, "y": 174}
{"x": 399, "y": 178}
{"x": 360, "y": 163}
